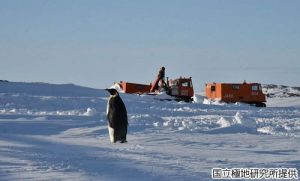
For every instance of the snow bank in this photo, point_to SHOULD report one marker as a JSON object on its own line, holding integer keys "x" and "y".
{"x": 90, "y": 112}
{"x": 213, "y": 102}
{"x": 26, "y": 112}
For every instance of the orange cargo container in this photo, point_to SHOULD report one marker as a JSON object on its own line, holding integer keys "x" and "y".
{"x": 250, "y": 93}
{"x": 134, "y": 88}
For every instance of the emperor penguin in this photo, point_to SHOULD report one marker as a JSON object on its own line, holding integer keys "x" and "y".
{"x": 117, "y": 117}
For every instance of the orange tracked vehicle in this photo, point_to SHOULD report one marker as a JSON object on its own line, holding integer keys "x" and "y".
{"x": 250, "y": 93}
{"x": 181, "y": 88}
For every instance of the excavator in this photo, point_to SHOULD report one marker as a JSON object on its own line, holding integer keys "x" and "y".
{"x": 181, "y": 88}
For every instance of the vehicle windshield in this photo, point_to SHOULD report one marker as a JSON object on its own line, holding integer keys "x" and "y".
{"x": 187, "y": 83}
{"x": 255, "y": 88}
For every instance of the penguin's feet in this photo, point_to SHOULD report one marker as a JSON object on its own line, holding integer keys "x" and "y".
{"x": 123, "y": 141}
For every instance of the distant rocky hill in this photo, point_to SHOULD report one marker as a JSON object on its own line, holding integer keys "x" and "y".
{"x": 45, "y": 89}
{"x": 272, "y": 90}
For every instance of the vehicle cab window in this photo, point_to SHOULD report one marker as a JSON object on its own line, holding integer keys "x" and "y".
{"x": 235, "y": 87}
{"x": 255, "y": 88}
{"x": 213, "y": 88}
{"x": 190, "y": 84}
{"x": 185, "y": 84}
{"x": 175, "y": 83}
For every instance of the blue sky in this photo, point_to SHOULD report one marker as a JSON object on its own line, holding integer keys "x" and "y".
{"x": 95, "y": 43}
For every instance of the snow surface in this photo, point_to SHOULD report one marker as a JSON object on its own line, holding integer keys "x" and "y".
{"x": 59, "y": 132}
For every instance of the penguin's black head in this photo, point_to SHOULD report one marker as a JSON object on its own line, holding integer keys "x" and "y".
{"x": 112, "y": 91}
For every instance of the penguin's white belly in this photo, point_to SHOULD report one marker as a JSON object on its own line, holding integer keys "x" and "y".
{"x": 107, "y": 106}
{"x": 111, "y": 132}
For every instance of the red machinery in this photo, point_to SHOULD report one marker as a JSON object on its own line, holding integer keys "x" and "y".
{"x": 181, "y": 88}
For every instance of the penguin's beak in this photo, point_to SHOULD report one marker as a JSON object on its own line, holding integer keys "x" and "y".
{"x": 108, "y": 91}
{"x": 112, "y": 91}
